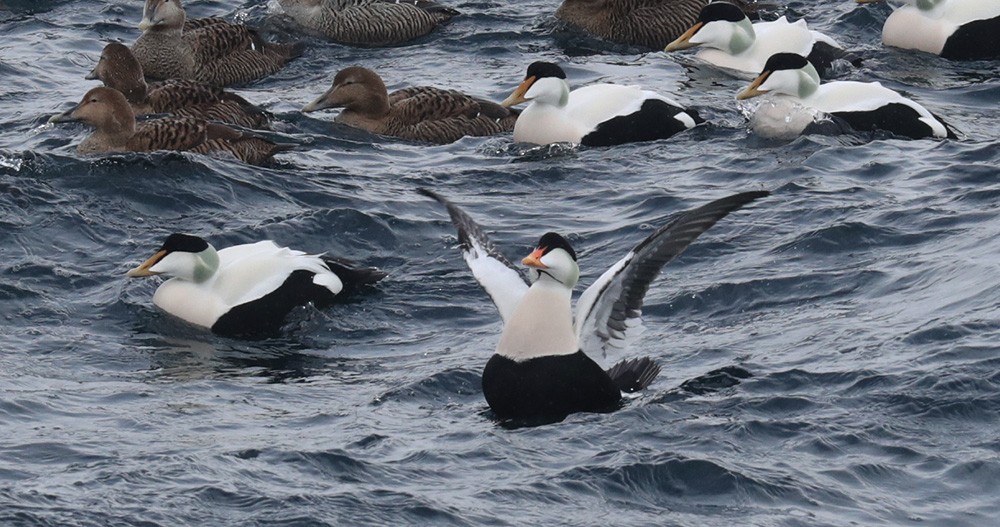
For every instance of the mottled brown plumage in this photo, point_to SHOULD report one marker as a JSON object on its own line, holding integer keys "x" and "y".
{"x": 423, "y": 113}
{"x": 209, "y": 50}
{"x": 116, "y": 130}
{"x": 119, "y": 69}
{"x": 647, "y": 23}
{"x": 368, "y": 22}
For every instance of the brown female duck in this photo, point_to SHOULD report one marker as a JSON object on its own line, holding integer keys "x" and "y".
{"x": 368, "y": 22}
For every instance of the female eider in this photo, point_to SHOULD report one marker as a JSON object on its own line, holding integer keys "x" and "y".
{"x": 245, "y": 290}
{"x": 729, "y": 40}
{"x": 119, "y": 69}
{"x": 865, "y": 106}
{"x": 368, "y": 22}
{"x": 208, "y": 50}
{"x": 541, "y": 371}
{"x": 645, "y": 23}
{"x": 115, "y": 130}
{"x": 953, "y": 29}
{"x": 422, "y": 113}
{"x": 595, "y": 115}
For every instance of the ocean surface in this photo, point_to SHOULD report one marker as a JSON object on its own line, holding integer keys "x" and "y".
{"x": 829, "y": 353}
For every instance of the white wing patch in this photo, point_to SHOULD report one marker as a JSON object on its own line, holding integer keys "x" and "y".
{"x": 504, "y": 285}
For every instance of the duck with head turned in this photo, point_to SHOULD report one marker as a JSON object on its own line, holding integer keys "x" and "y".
{"x": 730, "y": 41}
{"x": 864, "y": 106}
{"x": 953, "y": 29}
{"x": 115, "y": 130}
{"x": 425, "y": 114}
{"x": 209, "y": 50}
{"x": 595, "y": 115}
{"x": 650, "y": 24}
{"x": 118, "y": 69}
{"x": 368, "y": 22}
{"x": 541, "y": 371}
{"x": 245, "y": 290}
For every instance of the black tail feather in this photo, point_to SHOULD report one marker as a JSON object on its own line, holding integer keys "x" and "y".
{"x": 632, "y": 375}
{"x": 351, "y": 275}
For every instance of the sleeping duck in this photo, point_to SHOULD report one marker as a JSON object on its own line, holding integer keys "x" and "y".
{"x": 119, "y": 69}
{"x": 368, "y": 22}
{"x": 730, "y": 41}
{"x": 426, "y": 114}
{"x": 116, "y": 131}
{"x": 864, "y": 106}
{"x": 209, "y": 50}
{"x": 953, "y": 29}
{"x": 595, "y": 115}
{"x": 245, "y": 290}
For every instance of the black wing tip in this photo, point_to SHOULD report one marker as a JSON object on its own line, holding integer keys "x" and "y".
{"x": 633, "y": 375}
{"x": 424, "y": 191}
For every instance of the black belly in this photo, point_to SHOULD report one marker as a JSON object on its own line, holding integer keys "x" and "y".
{"x": 264, "y": 317}
{"x": 549, "y": 387}
{"x": 654, "y": 120}
{"x": 897, "y": 118}
{"x": 979, "y": 39}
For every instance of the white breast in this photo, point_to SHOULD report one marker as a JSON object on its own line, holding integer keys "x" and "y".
{"x": 542, "y": 324}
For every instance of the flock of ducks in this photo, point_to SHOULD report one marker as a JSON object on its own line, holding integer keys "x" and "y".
{"x": 541, "y": 369}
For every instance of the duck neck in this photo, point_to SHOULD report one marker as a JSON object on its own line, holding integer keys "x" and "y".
{"x": 743, "y": 37}
{"x": 542, "y": 324}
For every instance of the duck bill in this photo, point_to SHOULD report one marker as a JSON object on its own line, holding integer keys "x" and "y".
{"x": 321, "y": 103}
{"x": 145, "y": 24}
{"x": 518, "y": 96}
{"x": 143, "y": 270}
{"x": 65, "y": 117}
{"x": 684, "y": 41}
{"x": 754, "y": 89}
{"x": 535, "y": 259}
{"x": 93, "y": 75}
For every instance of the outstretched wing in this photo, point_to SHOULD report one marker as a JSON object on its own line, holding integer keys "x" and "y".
{"x": 612, "y": 305}
{"x": 501, "y": 280}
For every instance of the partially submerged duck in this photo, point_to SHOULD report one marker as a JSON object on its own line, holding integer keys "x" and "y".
{"x": 368, "y": 22}
{"x": 208, "y": 50}
{"x": 423, "y": 113}
{"x": 646, "y": 23}
{"x": 245, "y": 290}
{"x": 864, "y": 106}
{"x": 727, "y": 39}
{"x": 119, "y": 69}
{"x": 116, "y": 131}
{"x": 953, "y": 29}
{"x": 541, "y": 370}
{"x": 595, "y": 115}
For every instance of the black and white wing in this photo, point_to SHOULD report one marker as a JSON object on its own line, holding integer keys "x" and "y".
{"x": 612, "y": 305}
{"x": 502, "y": 281}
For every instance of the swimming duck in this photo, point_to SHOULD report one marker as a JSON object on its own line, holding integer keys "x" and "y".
{"x": 208, "y": 50}
{"x": 116, "y": 131}
{"x": 245, "y": 290}
{"x": 368, "y": 22}
{"x": 541, "y": 369}
{"x": 953, "y": 29}
{"x": 646, "y": 23}
{"x": 595, "y": 115}
{"x": 426, "y": 114}
{"x": 729, "y": 40}
{"x": 865, "y": 106}
{"x": 119, "y": 69}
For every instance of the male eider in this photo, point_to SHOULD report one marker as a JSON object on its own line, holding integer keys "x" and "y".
{"x": 207, "y": 49}
{"x": 865, "y": 106}
{"x": 540, "y": 371}
{"x": 730, "y": 41}
{"x": 115, "y": 130}
{"x": 368, "y": 22}
{"x": 595, "y": 115}
{"x": 119, "y": 69}
{"x": 245, "y": 290}
{"x": 644, "y": 23}
{"x": 420, "y": 113}
{"x": 953, "y": 29}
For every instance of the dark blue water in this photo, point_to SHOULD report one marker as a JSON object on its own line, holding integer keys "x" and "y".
{"x": 829, "y": 354}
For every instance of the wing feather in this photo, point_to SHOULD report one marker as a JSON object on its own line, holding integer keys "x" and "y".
{"x": 610, "y": 310}
{"x": 502, "y": 281}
